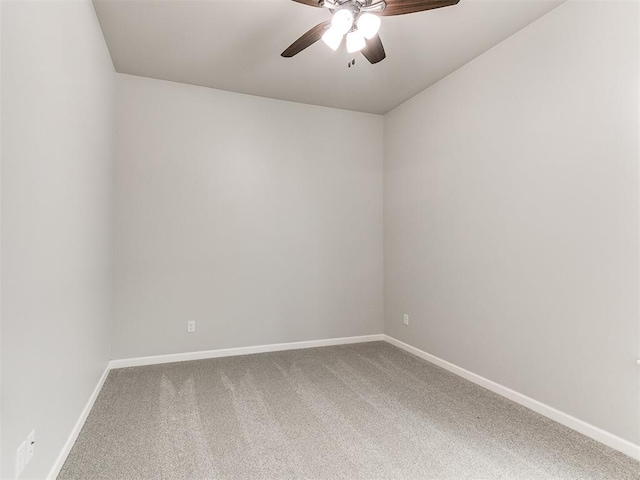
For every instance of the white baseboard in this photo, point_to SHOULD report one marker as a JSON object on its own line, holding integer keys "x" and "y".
{"x": 57, "y": 466}
{"x": 231, "y": 352}
{"x": 602, "y": 436}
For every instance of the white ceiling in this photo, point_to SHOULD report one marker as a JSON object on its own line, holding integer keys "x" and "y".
{"x": 236, "y": 44}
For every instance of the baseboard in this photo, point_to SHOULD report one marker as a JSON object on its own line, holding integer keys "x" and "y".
{"x": 231, "y": 352}
{"x": 565, "y": 419}
{"x": 57, "y": 466}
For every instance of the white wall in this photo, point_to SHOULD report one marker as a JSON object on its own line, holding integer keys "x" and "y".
{"x": 511, "y": 215}
{"x": 259, "y": 219}
{"x": 58, "y": 106}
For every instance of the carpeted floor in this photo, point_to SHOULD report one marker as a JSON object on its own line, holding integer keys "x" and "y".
{"x": 367, "y": 411}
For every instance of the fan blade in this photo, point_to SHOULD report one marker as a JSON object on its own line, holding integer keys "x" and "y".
{"x": 311, "y": 3}
{"x": 374, "y": 51}
{"x": 402, "y": 7}
{"x": 309, "y": 38}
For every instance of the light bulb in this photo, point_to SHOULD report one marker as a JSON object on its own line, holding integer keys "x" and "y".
{"x": 368, "y": 25}
{"x": 342, "y": 21}
{"x": 333, "y": 38}
{"x": 355, "y": 41}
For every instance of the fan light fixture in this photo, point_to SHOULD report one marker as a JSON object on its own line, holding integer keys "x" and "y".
{"x": 333, "y": 38}
{"x": 342, "y": 21}
{"x": 368, "y": 25}
{"x": 355, "y": 41}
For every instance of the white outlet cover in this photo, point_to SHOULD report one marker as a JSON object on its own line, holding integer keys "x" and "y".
{"x": 31, "y": 445}
{"x": 191, "y": 326}
{"x": 21, "y": 458}
{"x": 406, "y": 319}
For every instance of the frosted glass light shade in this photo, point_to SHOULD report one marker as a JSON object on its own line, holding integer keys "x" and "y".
{"x": 355, "y": 42}
{"x": 342, "y": 21}
{"x": 333, "y": 38}
{"x": 368, "y": 25}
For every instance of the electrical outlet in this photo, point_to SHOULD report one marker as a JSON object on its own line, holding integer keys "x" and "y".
{"x": 21, "y": 458}
{"x": 31, "y": 445}
{"x": 191, "y": 326}
{"x": 406, "y": 319}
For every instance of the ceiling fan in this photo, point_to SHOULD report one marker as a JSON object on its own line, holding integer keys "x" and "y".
{"x": 360, "y": 21}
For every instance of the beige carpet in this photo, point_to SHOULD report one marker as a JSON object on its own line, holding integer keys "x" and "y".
{"x": 368, "y": 411}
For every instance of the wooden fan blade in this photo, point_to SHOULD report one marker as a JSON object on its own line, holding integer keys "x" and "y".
{"x": 402, "y": 7}
{"x": 311, "y": 3}
{"x": 309, "y": 38}
{"x": 374, "y": 51}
